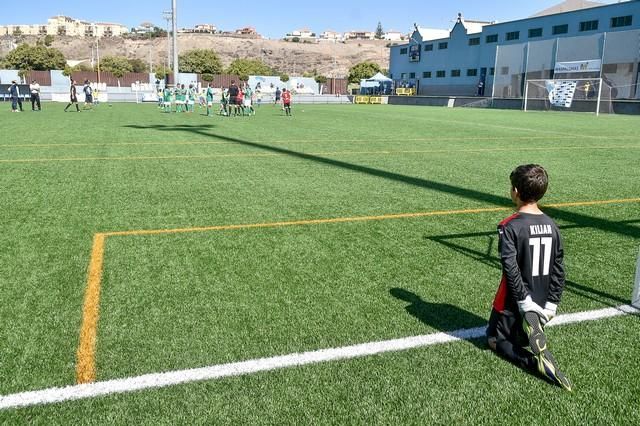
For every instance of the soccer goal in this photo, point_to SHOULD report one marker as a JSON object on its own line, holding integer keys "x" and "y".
{"x": 569, "y": 94}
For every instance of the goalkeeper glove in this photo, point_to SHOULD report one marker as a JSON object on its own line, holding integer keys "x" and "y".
{"x": 550, "y": 310}
{"x": 528, "y": 305}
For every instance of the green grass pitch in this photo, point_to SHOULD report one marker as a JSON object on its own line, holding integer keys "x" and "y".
{"x": 178, "y": 301}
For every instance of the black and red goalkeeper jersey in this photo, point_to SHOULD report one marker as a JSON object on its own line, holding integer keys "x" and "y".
{"x": 531, "y": 254}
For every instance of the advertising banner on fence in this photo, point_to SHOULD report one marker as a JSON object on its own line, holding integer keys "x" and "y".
{"x": 592, "y": 65}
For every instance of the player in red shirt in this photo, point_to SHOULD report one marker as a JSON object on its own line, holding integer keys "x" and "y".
{"x": 286, "y": 101}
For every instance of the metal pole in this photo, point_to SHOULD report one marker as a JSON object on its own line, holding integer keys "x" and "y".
{"x": 98, "y": 52}
{"x": 604, "y": 46}
{"x": 174, "y": 9}
{"x": 495, "y": 75}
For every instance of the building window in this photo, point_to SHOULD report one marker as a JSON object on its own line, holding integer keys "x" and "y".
{"x": 412, "y": 75}
{"x": 535, "y": 32}
{"x": 513, "y": 35}
{"x": 404, "y": 51}
{"x": 621, "y": 21}
{"x": 560, "y": 29}
{"x": 475, "y": 41}
{"x": 504, "y": 71}
{"x": 428, "y": 47}
{"x": 455, "y": 73}
{"x": 426, "y": 74}
{"x": 493, "y": 71}
{"x": 472, "y": 72}
{"x": 441, "y": 74}
{"x": 403, "y": 76}
{"x": 443, "y": 45}
{"x": 588, "y": 26}
{"x": 493, "y": 38}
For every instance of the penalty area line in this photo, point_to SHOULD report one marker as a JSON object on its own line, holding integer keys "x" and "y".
{"x": 173, "y": 378}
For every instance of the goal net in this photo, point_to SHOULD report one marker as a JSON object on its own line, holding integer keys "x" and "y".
{"x": 569, "y": 94}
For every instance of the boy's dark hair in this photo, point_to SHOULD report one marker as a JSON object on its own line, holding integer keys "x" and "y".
{"x": 531, "y": 181}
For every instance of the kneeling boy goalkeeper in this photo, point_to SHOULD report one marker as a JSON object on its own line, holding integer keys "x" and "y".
{"x": 533, "y": 279}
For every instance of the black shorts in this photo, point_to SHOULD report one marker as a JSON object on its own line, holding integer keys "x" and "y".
{"x": 287, "y": 105}
{"x": 507, "y": 326}
{"x": 233, "y": 100}
{"x": 74, "y": 100}
{"x": 277, "y": 99}
{"x": 88, "y": 99}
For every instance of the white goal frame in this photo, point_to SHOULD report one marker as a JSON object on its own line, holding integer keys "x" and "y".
{"x": 635, "y": 299}
{"x": 541, "y": 82}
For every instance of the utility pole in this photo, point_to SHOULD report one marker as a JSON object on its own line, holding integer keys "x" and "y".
{"x": 174, "y": 10}
{"x": 167, "y": 15}
{"x": 97, "y": 50}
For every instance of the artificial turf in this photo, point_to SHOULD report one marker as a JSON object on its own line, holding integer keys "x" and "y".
{"x": 196, "y": 299}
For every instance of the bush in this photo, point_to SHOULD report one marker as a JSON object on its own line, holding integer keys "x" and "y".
{"x": 284, "y": 78}
{"x": 207, "y": 77}
{"x": 200, "y": 61}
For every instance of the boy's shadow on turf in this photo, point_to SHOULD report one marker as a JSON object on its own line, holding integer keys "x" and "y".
{"x": 445, "y": 318}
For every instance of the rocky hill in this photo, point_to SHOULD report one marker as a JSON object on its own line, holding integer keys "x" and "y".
{"x": 327, "y": 58}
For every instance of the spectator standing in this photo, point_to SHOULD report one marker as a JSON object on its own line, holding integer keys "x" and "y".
{"x": 35, "y": 96}
{"x": 14, "y": 94}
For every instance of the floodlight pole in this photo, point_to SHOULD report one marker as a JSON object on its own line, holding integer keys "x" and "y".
{"x": 167, "y": 15}
{"x": 97, "y": 51}
{"x": 174, "y": 10}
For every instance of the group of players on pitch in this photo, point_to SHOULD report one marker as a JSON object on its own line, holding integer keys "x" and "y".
{"x": 234, "y": 100}
{"x": 533, "y": 279}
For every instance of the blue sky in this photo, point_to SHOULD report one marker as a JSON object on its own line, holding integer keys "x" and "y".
{"x": 275, "y": 18}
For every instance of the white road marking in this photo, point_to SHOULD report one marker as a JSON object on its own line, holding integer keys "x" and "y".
{"x": 160, "y": 380}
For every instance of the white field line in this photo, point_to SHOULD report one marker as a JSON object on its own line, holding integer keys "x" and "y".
{"x": 160, "y": 380}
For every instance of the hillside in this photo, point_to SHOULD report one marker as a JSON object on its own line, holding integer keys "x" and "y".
{"x": 330, "y": 59}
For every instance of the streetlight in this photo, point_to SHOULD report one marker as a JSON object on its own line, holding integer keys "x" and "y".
{"x": 174, "y": 9}
{"x": 167, "y": 15}
{"x": 95, "y": 26}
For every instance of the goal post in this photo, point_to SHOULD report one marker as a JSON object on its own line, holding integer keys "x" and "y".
{"x": 635, "y": 300}
{"x": 569, "y": 94}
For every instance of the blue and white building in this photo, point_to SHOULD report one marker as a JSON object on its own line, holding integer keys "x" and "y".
{"x": 495, "y": 59}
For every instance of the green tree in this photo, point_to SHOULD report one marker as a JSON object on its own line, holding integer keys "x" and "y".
{"x": 162, "y": 72}
{"x": 321, "y": 79}
{"x": 249, "y": 67}
{"x": 200, "y": 61}
{"x": 379, "y": 31}
{"x": 284, "y": 78}
{"x": 138, "y": 65}
{"x": 48, "y": 40}
{"x": 363, "y": 70}
{"x": 117, "y": 65}
{"x": 80, "y": 67}
{"x": 38, "y": 58}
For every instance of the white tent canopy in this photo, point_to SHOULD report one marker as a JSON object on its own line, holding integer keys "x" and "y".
{"x": 375, "y": 81}
{"x": 380, "y": 77}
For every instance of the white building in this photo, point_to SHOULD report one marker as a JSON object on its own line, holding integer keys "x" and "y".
{"x": 303, "y": 34}
{"x": 394, "y": 36}
{"x": 360, "y": 35}
{"x": 66, "y": 26}
{"x": 331, "y": 36}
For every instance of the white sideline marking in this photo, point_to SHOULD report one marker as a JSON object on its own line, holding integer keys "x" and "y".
{"x": 160, "y": 380}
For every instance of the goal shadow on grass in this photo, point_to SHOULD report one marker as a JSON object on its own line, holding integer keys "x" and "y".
{"x": 582, "y": 220}
{"x": 487, "y": 258}
{"x": 442, "y": 317}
